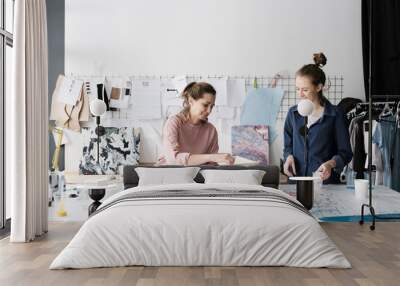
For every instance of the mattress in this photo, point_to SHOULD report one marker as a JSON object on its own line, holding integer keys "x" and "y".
{"x": 201, "y": 225}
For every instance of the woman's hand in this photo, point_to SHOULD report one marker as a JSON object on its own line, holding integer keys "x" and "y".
{"x": 224, "y": 158}
{"x": 289, "y": 168}
{"x": 325, "y": 170}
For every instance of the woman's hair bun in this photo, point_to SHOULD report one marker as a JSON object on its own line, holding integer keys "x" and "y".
{"x": 189, "y": 87}
{"x": 319, "y": 59}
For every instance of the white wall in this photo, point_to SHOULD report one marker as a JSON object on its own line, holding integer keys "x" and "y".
{"x": 230, "y": 37}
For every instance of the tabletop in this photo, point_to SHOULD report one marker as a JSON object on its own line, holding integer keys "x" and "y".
{"x": 339, "y": 203}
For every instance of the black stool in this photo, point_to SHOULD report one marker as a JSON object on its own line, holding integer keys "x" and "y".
{"x": 305, "y": 193}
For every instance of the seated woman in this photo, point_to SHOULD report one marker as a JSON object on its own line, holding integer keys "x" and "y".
{"x": 328, "y": 137}
{"x": 188, "y": 137}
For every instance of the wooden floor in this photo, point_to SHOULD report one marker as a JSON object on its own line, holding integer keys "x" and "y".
{"x": 375, "y": 257}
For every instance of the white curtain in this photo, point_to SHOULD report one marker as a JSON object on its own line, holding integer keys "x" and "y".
{"x": 27, "y": 124}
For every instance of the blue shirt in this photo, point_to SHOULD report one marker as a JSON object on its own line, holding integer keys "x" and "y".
{"x": 328, "y": 138}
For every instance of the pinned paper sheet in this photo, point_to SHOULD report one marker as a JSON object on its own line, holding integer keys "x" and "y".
{"x": 155, "y": 132}
{"x": 170, "y": 97}
{"x": 179, "y": 82}
{"x": 261, "y": 107}
{"x": 90, "y": 86}
{"x": 120, "y": 97}
{"x": 224, "y": 135}
{"x": 168, "y": 89}
{"x": 220, "y": 85}
{"x": 168, "y": 103}
{"x": 68, "y": 115}
{"x": 69, "y": 90}
{"x": 213, "y": 118}
{"x": 225, "y": 112}
{"x": 146, "y": 103}
{"x": 236, "y": 92}
{"x": 119, "y": 91}
{"x": 172, "y": 110}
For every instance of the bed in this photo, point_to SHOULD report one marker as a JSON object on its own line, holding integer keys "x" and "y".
{"x": 197, "y": 224}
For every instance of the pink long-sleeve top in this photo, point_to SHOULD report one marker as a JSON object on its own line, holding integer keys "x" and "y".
{"x": 182, "y": 138}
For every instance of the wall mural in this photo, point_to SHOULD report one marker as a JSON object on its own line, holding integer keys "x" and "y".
{"x": 251, "y": 142}
{"x": 118, "y": 147}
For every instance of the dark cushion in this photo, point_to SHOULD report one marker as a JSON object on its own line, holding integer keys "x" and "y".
{"x": 270, "y": 179}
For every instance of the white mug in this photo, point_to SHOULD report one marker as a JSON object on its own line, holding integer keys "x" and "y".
{"x": 361, "y": 188}
{"x": 317, "y": 182}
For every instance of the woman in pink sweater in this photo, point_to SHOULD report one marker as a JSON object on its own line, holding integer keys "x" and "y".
{"x": 188, "y": 137}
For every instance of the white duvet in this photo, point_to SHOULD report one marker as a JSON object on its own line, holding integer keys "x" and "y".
{"x": 206, "y": 231}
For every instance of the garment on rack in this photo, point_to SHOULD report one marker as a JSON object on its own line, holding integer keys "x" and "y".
{"x": 396, "y": 162}
{"x": 347, "y": 104}
{"x": 376, "y": 154}
{"x": 385, "y": 144}
{"x": 365, "y": 130}
{"x": 356, "y": 137}
{"x": 377, "y": 161}
{"x": 357, "y": 146}
{"x": 384, "y": 136}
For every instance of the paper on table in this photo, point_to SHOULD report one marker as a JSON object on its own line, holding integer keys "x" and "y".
{"x": 146, "y": 103}
{"x": 220, "y": 85}
{"x": 76, "y": 178}
{"x": 236, "y": 92}
{"x": 242, "y": 161}
{"x": 69, "y": 90}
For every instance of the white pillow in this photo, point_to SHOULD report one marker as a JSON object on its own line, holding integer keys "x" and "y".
{"x": 249, "y": 177}
{"x": 165, "y": 176}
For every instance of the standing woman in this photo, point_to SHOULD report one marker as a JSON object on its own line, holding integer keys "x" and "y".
{"x": 188, "y": 137}
{"x": 328, "y": 142}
